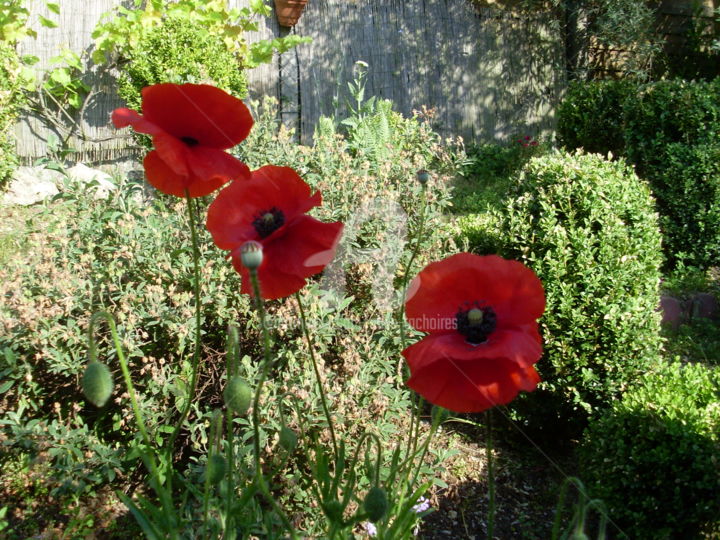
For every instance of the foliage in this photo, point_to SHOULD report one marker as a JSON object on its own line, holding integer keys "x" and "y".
{"x": 686, "y": 183}
{"x": 13, "y": 21}
{"x": 591, "y": 116}
{"x": 667, "y": 112}
{"x": 120, "y": 31}
{"x": 11, "y": 99}
{"x": 625, "y": 25}
{"x": 699, "y": 57}
{"x": 587, "y": 227}
{"x": 653, "y": 456}
{"x": 131, "y": 255}
{"x": 479, "y": 190}
{"x": 179, "y": 51}
{"x": 669, "y": 130}
{"x": 603, "y": 25}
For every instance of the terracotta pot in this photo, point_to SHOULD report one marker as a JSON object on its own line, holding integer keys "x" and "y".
{"x": 288, "y": 11}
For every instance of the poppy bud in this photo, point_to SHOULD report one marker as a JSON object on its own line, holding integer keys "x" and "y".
{"x": 288, "y": 439}
{"x": 422, "y": 176}
{"x": 237, "y": 395}
{"x": 215, "y": 468}
{"x": 578, "y": 535}
{"x": 97, "y": 383}
{"x": 376, "y": 503}
{"x": 251, "y": 254}
{"x": 333, "y": 510}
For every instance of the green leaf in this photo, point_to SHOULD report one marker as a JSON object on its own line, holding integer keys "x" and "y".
{"x": 7, "y": 385}
{"x": 47, "y": 22}
{"x": 61, "y": 76}
{"x": 55, "y": 8}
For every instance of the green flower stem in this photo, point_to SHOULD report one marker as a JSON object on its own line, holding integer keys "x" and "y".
{"x": 139, "y": 420}
{"x": 491, "y": 475}
{"x": 232, "y": 367}
{"x": 267, "y": 364}
{"x": 323, "y": 397}
{"x": 123, "y": 366}
{"x": 416, "y": 401}
{"x": 423, "y": 450}
{"x": 198, "y": 323}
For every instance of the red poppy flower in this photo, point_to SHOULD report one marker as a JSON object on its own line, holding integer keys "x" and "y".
{"x": 191, "y": 125}
{"x": 270, "y": 209}
{"x": 480, "y": 313}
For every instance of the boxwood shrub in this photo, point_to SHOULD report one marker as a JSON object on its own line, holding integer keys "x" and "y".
{"x": 588, "y": 228}
{"x": 653, "y": 456}
{"x": 666, "y": 112}
{"x": 591, "y": 116}
{"x": 686, "y": 183}
{"x": 180, "y": 51}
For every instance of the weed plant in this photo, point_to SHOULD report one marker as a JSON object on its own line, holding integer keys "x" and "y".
{"x": 128, "y": 255}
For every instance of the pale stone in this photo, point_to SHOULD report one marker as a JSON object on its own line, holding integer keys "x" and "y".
{"x": 30, "y": 185}
{"x": 86, "y": 175}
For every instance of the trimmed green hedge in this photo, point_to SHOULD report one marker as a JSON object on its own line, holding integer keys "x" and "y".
{"x": 686, "y": 183}
{"x": 667, "y": 112}
{"x": 653, "y": 457}
{"x": 670, "y": 131}
{"x": 591, "y": 116}
{"x": 588, "y": 228}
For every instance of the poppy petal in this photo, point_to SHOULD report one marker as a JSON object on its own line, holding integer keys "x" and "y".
{"x": 442, "y": 288}
{"x": 126, "y": 117}
{"x": 233, "y": 211}
{"x": 520, "y": 345}
{"x": 283, "y": 188}
{"x": 207, "y": 162}
{"x": 164, "y": 179}
{"x": 472, "y": 387}
{"x": 306, "y": 246}
{"x": 173, "y": 152}
{"x": 274, "y": 284}
{"x": 206, "y": 114}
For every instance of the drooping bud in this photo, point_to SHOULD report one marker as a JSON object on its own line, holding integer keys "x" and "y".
{"x": 97, "y": 383}
{"x": 333, "y": 510}
{"x": 251, "y": 254}
{"x": 288, "y": 439}
{"x": 215, "y": 468}
{"x": 376, "y": 503}
{"x": 237, "y": 395}
{"x": 422, "y": 176}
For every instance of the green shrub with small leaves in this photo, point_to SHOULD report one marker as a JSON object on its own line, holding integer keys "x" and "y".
{"x": 180, "y": 50}
{"x": 591, "y": 116}
{"x": 652, "y": 457}
{"x": 587, "y": 227}
{"x": 11, "y": 99}
{"x": 667, "y": 112}
{"x": 686, "y": 184}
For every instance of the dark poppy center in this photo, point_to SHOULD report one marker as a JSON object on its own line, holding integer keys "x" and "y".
{"x": 190, "y": 141}
{"x": 268, "y": 221}
{"x": 475, "y": 322}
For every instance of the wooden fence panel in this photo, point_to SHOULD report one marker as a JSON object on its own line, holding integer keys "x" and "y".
{"x": 489, "y": 74}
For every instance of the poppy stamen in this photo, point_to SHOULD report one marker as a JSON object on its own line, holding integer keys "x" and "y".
{"x": 268, "y": 222}
{"x": 190, "y": 141}
{"x": 476, "y": 323}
